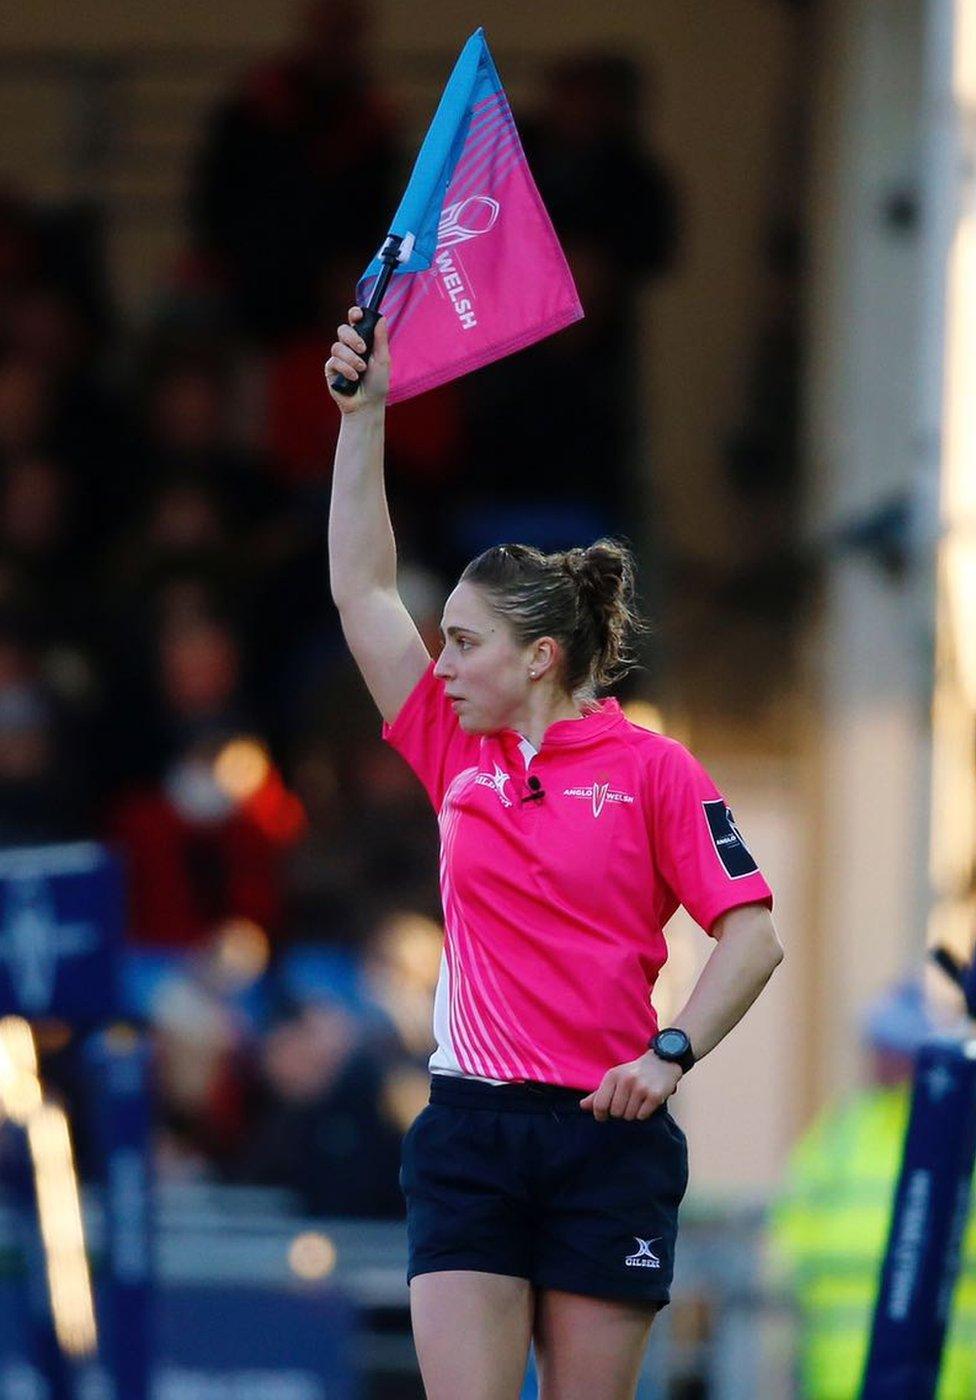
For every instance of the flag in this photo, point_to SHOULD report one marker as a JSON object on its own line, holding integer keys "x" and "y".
{"x": 483, "y": 274}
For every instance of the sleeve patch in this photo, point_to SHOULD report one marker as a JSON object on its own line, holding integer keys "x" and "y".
{"x": 727, "y": 840}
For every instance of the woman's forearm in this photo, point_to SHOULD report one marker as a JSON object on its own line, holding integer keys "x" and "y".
{"x": 362, "y": 550}
{"x": 742, "y": 962}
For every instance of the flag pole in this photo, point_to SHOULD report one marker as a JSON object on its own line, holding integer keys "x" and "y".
{"x": 390, "y": 255}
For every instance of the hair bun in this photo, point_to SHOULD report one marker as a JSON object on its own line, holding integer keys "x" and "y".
{"x": 600, "y": 573}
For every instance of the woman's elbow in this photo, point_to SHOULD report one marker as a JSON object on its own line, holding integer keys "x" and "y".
{"x": 772, "y": 947}
{"x": 752, "y": 927}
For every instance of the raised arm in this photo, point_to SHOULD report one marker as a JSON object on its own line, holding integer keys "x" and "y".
{"x": 385, "y": 644}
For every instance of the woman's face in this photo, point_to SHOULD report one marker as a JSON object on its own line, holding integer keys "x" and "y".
{"x": 484, "y": 670}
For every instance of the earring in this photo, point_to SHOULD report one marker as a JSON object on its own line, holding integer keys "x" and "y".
{"x": 531, "y": 675}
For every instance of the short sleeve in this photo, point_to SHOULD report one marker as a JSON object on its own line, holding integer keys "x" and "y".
{"x": 427, "y": 734}
{"x": 698, "y": 848}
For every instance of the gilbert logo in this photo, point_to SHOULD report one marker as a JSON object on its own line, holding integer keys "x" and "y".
{"x": 496, "y": 780}
{"x": 599, "y": 794}
{"x": 644, "y": 1256}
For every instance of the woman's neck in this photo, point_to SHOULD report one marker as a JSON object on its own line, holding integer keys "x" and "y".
{"x": 544, "y": 710}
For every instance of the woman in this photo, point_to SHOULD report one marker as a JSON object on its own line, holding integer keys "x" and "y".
{"x": 543, "y": 1179}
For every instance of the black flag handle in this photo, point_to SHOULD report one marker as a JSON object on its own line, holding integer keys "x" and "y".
{"x": 367, "y": 329}
{"x": 389, "y": 255}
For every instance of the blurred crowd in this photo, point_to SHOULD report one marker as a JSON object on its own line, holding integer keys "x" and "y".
{"x": 172, "y": 674}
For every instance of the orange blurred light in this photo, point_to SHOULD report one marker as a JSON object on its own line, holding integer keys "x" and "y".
{"x": 312, "y": 1256}
{"x": 241, "y": 953}
{"x": 241, "y": 767}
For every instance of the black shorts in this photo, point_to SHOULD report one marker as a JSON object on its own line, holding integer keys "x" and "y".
{"x": 517, "y": 1179}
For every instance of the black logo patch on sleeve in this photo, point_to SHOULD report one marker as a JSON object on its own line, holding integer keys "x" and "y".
{"x": 727, "y": 839}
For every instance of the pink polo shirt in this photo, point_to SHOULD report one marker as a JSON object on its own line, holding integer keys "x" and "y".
{"x": 555, "y": 904}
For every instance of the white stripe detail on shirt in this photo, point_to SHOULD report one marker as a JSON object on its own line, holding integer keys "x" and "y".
{"x": 469, "y": 1024}
{"x": 470, "y": 971}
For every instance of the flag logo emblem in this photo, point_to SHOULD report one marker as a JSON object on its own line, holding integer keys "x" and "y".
{"x": 467, "y": 219}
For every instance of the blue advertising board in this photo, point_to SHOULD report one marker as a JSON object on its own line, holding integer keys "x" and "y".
{"x": 254, "y": 1342}
{"x": 61, "y": 922}
{"x": 931, "y": 1209}
{"x": 118, "y": 1112}
{"x": 212, "y": 1342}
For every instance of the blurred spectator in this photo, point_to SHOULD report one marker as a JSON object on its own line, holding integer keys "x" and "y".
{"x": 20, "y": 250}
{"x": 25, "y": 405}
{"x": 58, "y": 246}
{"x": 39, "y": 540}
{"x": 180, "y": 530}
{"x": 606, "y": 192}
{"x": 201, "y": 1078}
{"x": 343, "y": 1072}
{"x": 830, "y": 1227}
{"x": 323, "y": 679}
{"x": 190, "y": 434}
{"x": 394, "y": 830}
{"x": 305, "y": 138}
{"x": 41, "y": 784}
{"x": 400, "y": 972}
{"x": 364, "y": 802}
{"x": 324, "y": 1128}
{"x": 56, "y": 395}
{"x": 370, "y": 841}
{"x": 200, "y": 672}
{"x": 325, "y": 874}
{"x": 204, "y": 1009}
{"x": 204, "y": 848}
{"x": 180, "y": 674}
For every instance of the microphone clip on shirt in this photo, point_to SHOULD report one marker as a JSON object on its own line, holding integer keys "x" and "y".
{"x": 535, "y": 793}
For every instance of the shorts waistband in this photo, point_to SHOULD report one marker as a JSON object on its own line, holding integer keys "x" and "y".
{"x": 526, "y": 1096}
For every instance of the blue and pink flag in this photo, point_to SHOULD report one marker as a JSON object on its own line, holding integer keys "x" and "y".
{"x": 483, "y": 274}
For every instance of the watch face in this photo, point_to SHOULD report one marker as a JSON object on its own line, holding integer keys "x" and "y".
{"x": 672, "y": 1042}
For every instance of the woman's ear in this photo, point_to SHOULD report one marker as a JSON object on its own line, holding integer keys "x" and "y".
{"x": 543, "y": 657}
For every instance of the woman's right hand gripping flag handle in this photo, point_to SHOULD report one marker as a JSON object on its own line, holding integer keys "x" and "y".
{"x": 362, "y": 341}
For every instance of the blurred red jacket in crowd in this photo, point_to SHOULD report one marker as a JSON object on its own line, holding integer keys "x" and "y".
{"x": 188, "y": 877}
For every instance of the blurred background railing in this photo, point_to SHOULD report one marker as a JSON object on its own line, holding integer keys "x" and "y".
{"x": 726, "y": 1335}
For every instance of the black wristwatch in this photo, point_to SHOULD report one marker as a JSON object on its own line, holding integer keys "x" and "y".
{"x": 674, "y": 1046}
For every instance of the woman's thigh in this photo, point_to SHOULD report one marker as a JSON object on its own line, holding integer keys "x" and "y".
{"x": 472, "y": 1333}
{"x": 589, "y": 1348}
